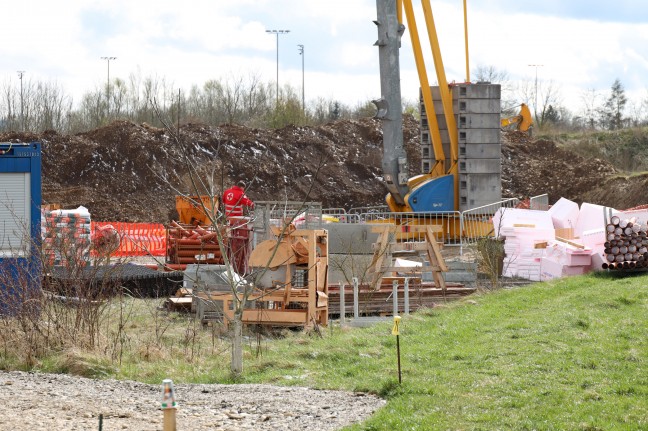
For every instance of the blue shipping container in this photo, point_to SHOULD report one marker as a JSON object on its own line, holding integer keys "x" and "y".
{"x": 20, "y": 227}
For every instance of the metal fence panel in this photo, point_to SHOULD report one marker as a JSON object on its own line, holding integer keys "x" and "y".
{"x": 540, "y": 202}
{"x": 304, "y": 215}
{"x": 478, "y": 222}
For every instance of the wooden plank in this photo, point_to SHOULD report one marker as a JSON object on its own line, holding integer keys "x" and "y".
{"x": 407, "y": 246}
{"x": 410, "y": 269}
{"x": 572, "y": 243}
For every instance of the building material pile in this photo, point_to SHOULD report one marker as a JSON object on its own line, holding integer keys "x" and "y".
{"x": 568, "y": 240}
{"x": 193, "y": 244}
{"x": 66, "y": 237}
{"x": 627, "y": 244}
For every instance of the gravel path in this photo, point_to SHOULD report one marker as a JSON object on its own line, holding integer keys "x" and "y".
{"x": 36, "y": 401}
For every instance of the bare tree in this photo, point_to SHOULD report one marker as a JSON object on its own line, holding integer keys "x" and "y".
{"x": 591, "y": 100}
{"x": 492, "y": 74}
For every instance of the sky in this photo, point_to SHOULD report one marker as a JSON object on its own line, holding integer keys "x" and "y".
{"x": 577, "y": 45}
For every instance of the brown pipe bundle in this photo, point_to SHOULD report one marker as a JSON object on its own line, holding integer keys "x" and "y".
{"x": 626, "y": 246}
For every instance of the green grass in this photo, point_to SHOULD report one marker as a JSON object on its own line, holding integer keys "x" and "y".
{"x": 571, "y": 354}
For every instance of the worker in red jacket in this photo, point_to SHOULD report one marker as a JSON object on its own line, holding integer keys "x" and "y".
{"x": 239, "y": 243}
{"x": 234, "y": 200}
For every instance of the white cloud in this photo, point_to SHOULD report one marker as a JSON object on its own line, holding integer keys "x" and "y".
{"x": 205, "y": 39}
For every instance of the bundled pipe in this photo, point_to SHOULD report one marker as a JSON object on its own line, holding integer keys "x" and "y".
{"x": 626, "y": 246}
{"x": 188, "y": 244}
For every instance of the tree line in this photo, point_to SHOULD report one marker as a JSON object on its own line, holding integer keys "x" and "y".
{"x": 37, "y": 106}
{"x": 599, "y": 110}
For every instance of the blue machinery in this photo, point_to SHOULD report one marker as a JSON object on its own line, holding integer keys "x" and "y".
{"x": 20, "y": 225}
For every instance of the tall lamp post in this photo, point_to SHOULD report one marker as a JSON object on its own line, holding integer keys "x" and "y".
{"x": 535, "y": 104}
{"x": 22, "y": 111}
{"x": 278, "y": 32}
{"x": 301, "y": 52}
{"x": 108, "y": 84}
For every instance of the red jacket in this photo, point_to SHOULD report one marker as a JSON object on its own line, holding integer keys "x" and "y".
{"x": 234, "y": 199}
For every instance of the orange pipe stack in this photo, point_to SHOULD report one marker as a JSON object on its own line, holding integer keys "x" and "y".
{"x": 193, "y": 244}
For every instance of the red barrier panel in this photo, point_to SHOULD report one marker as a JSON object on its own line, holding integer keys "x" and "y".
{"x": 136, "y": 239}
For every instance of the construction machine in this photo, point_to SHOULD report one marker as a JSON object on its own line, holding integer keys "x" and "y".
{"x": 456, "y": 178}
{"x": 436, "y": 190}
{"x": 522, "y": 122}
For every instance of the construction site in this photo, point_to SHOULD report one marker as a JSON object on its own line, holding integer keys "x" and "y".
{"x": 132, "y": 253}
{"x": 142, "y": 206}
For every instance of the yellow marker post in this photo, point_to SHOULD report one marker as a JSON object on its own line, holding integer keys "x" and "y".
{"x": 395, "y": 331}
{"x": 169, "y": 405}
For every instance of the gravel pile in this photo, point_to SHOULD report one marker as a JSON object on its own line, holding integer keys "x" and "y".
{"x": 36, "y": 401}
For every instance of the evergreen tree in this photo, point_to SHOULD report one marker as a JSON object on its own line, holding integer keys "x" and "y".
{"x": 612, "y": 112}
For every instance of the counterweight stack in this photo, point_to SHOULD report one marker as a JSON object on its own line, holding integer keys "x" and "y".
{"x": 626, "y": 247}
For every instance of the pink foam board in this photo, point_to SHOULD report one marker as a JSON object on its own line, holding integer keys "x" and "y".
{"x": 564, "y": 213}
{"x": 592, "y": 216}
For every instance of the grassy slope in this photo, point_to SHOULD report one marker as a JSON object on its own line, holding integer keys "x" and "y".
{"x": 571, "y": 354}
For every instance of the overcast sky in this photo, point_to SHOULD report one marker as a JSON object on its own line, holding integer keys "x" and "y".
{"x": 579, "y": 44}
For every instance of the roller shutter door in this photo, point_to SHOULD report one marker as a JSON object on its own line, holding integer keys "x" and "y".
{"x": 15, "y": 214}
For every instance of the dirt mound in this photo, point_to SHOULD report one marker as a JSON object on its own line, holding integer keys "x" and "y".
{"x": 533, "y": 167}
{"x": 132, "y": 172}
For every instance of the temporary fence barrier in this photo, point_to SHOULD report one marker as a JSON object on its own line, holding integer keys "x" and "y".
{"x": 478, "y": 222}
{"x": 540, "y": 202}
{"x": 303, "y": 215}
{"x": 339, "y": 215}
{"x": 450, "y": 222}
{"x": 137, "y": 239}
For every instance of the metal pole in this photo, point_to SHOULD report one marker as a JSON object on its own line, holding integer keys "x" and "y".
{"x": 277, "y": 83}
{"x": 108, "y": 85}
{"x": 277, "y": 33}
{"x": 301, "y": 52}
{"x": 406, "y": 308}
{"x": 395, "y": 297}
{"x": 356, "y": 308}
{"x": 535, "y": 107}
{"x": 466, "y": 39}
{"x": 342, "y": 303}
{"x": 22, "y": 111}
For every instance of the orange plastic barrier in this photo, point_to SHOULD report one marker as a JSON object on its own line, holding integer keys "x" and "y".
{"x": 137, "y": 239}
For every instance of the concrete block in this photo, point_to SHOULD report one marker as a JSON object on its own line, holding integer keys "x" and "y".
{"x": 477, "y": 91}
{"x": 480, "y": 151}
{"x": 478, "y": 121}
{"x": 470, "y": 202}
{"x": 478, "y": 106}
{"x": 475, "y": 184}
{"x": 480, "y": 166}
{"x": 479, "y": 136}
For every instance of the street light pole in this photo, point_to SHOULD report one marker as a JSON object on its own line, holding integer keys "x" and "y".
{"x": 278, "y": 32}
{"x": 22, "y": 111}
{"x": 108, "y": 84}
{"x": 535, "y": 104}
{"x": 301, "y": 52}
